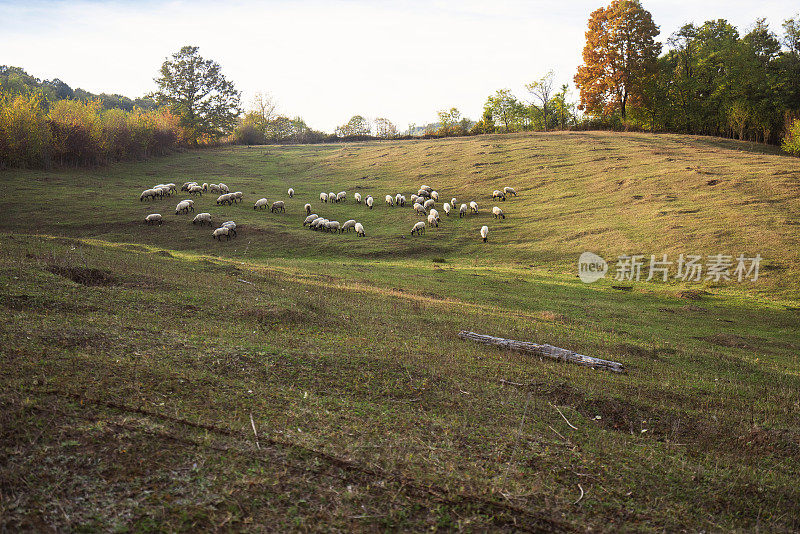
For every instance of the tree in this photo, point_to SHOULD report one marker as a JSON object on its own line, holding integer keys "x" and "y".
{"x": 196, "y": 90}
{"x": 356, "y": 126}
{"x": 503, "y": 106}
{"x": 449, "y": 122}
{"x": 384, "y": 128}
{"x": 620, "y": 53}
{"x": 542, "y": 89}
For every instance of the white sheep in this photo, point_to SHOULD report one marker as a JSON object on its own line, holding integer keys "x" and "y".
{"x": 202, "y": 218}
{"x": 498, "y": 194}
{"x": 424, "y": 193}
{"x": 224, "y": 188}
{"x": 332, "y": 197}
{"x": 183, "y": 207}
{"x": 310, "y": 219}
{"x": 509, "y": 191}
{"x": 278, "y": 205}
{"x": 147, "y": 193}
{"x": 357, "y": 196}
{"x": 341, "y": 196}
{"x": 462, "y": 211}
{"x": 418, "y": 228}
{"x": 484, "y": 233}
{"x": 229, "y": 224}
{"x": 473, "y": 206}
{"x": 446, "y": 208}
{"x": 307, "y": 207}
{"x": 224, "y": 198}
{"x": 333, "y": 226}
{"x": 348, "y": 225}
{"x": 154, "y": 218}
{"x": 453, "y": 202}
{"x": 314, "y": 223}
{"x": 237, "y": 196}
{"x": 172, "y": 187}
{"x": 360, "y": 230}
{"x": 420, "y": 209}
{"x": 435, "y": 195}
{"x": 435, "y": 214}
{"x": 369, "y": 202}
{"x": 432, "y": 220}
{"x": 323, "y": 197}
{"x": 426, "y": 188}
{"x": 390, "y": 200}
{"x": 291, "y": 192}
{"x": 429, "y": 203}
{"x": 498, "y": 213}
{"x": 214, "y": 188}
{"x": 414, "y": 199}
{"x": 221, "y": 231}
{"x": 261, "y": 203}
{"x": 402, "y": 200}
{"x": 205, "y": 187}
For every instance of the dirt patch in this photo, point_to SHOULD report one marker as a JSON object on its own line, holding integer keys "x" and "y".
{"x": 728, "y": 340}
{"x": 692, "y": 294}
{"x": 164, "y": 253}
{"x": 85, "y": 275}
{"x": 712, "y": 182}
{"x": 629, "y": 349}
{"x": 622, "y": 288}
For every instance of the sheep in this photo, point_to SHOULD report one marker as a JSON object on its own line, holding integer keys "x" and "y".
{"x": 165, "y": 190}
{"x": 202, "y": 218}
{"x": 369, "y": 202}
{"x": 426, "y": 188}
{"x": 151, "y": 193}
{"x": 462, "y": 211}
{"x": 397, "y": 199}
{"x": 261, "y": 203}
{"x": 498, "y": 194}
{"x": 223, "y": 188}
{"x": 484, "y": 233}
{"x": 420, "y": 209}
{"x": 446, "y": 208}
{"x": 429, "y": 203}
{"x": 357, "y": 196}
{"x": 319, "y": 224}
{"x": 290, "y": 192}
{"x": 313, "y": 224}
{"x": 310, "y": 219}
{"x": 214, "y": 188}
{"x": 333, "y": 226}
{"x": 221, "y": 231}
{"x": 435, "y": 214}
{"x": 390, "y": 200}
{"x": 402, "y": 200}
{"x": 172, "y": 188}
{"x": 432, "y": 221}
{"x": 229, "y": 224}
{"x": 418, "y": 228}
{"x": 498, "y": 213}
{"x": 237, "y": 196}
{"x": 323, "y": 197}
{"x": 473, "y": 206}
{"x": 453, "y": 202}
{"x": 187, "y": 185}
{"x": 360, "y": 230}
{"x": 183, "y": 207}
{"x": 205, "y": 187}
{"x": 509, "y": 191}
{"x": 196, "y": 190}
{"x": 224, "y": 199}
{"x": 278, "y": 205}
{"x": 435, "y": 195}
{"x": 348, "y": 225}
{"x": 332, "y": 197}
{"x": 414, "y": 199}
{"x": 307, "y": 207}
{"x": 424, "y": 193}
{"x": 341, "y": 196}
{"x": 154, "y": 218}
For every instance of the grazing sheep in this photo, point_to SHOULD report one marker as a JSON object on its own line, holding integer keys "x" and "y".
{"x": 307, "y": 207}
{"x": 183, "y": 207}
{"x": 229, "y": 224}
{"x": 348, "y": 225}
{"x": 310, "y": 219}
{"x": 357, "y": 196}
{"x": 154, "y": 218}
{"x": 420, "y": 209}
{"x": 237, "y": 196}
{"x": 341, "y": 196}
{"x": 414, "y": 199}
{"x": 426, "y": 188}
{"x": 222, "y": 231}
{"x": 498, "y": 213}
{"x": 323, "y": 197}
{"x": 435, "y": 195}
{"x": 429, "y": 203}
{"x": 333, "y": 226}
{"x": 291, "y": 192}
{"x": 509, "y": 191}
{"x": 498, "y": 194}
{"x": 278, "y": 205}
{"x": 484, "y": 233}
{"x": 187, "y": 185}
{"x": 432, "y": 220}
{"x": 224, "y": 199}
{"x": 261, "y": 203}
{"x": 453, "y": 202}
{"x": 390, "y": 200}
{"x": 202, "y": 218}
{"x": 418, "y": 228}
{"x": 473, "y": 206}
{"x": 205, "y": 187}
{"x": 313, "y": 224}
{"x": 360, "y": 230}
{"x": 223, "y": 188}
{"x": 319, "y": 224}
{"x": 402, "y": 200}
{"x": 462, "y": 211}
{"x": 435, "y": 214}
{"x": 214, "y": 188}
{"x": 147, "y": 193}
{"x": 397, "y": 199}
{"x": 424, "y": 193}
{"x": 172, "y": 188}
{"x": 332, "y": 197}
{"x": 446, "y": 208}
{"x": 369, "y": 202}
{"x": 196, "y": 190}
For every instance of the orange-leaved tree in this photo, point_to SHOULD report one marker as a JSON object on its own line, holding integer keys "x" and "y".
{"x": 620, "y": 54}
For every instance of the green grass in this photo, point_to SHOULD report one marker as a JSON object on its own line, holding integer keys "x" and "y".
{"x": 133, "y": 357}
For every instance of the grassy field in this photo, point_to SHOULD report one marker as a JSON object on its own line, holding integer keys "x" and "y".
{"x": 156, "y": 379}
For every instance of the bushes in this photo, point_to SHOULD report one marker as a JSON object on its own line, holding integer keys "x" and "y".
{"x": 73, "y": 132}
{"x": 791, "y": 139}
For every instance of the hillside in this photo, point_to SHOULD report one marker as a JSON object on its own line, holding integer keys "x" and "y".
{"x": 289, "y": 379}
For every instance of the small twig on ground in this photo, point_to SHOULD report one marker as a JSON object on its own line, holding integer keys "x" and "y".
{"x": 510, "y": 383}
{"x": 562, "y": 415}
{"x": 244, "y": 281}
{"x": 253, "y": 423}
{"x": 581, "y": 497}
{"x": 558, "y": 433}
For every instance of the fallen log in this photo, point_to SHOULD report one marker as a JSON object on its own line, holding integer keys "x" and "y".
{"x": 547, "y": 351}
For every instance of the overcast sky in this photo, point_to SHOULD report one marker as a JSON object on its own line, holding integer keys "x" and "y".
{"x": 327, "y": 61}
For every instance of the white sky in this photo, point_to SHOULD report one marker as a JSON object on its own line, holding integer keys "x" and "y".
{"x": 327, "y": 61}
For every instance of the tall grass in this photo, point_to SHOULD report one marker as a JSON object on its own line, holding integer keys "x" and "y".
{"x": 72, "y": 132}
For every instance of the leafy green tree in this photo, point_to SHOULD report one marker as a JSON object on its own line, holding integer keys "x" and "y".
{"x": 356, "y": 126}
{"x": 503, "y": 106}
{"x": 196, "y": 90}
{"x": 542, "y": 90}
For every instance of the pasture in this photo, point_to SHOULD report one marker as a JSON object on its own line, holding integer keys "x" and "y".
{"x": 157, "y": 379}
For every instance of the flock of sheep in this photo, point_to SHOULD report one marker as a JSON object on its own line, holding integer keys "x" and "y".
{"x": 423, "y": 203}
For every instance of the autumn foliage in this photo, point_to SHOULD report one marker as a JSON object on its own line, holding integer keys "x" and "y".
{"x": 619, "y": 57}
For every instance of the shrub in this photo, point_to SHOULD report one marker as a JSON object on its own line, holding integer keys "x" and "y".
{"x": 24, "y": 131}
{"x": 791, "y": 138}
